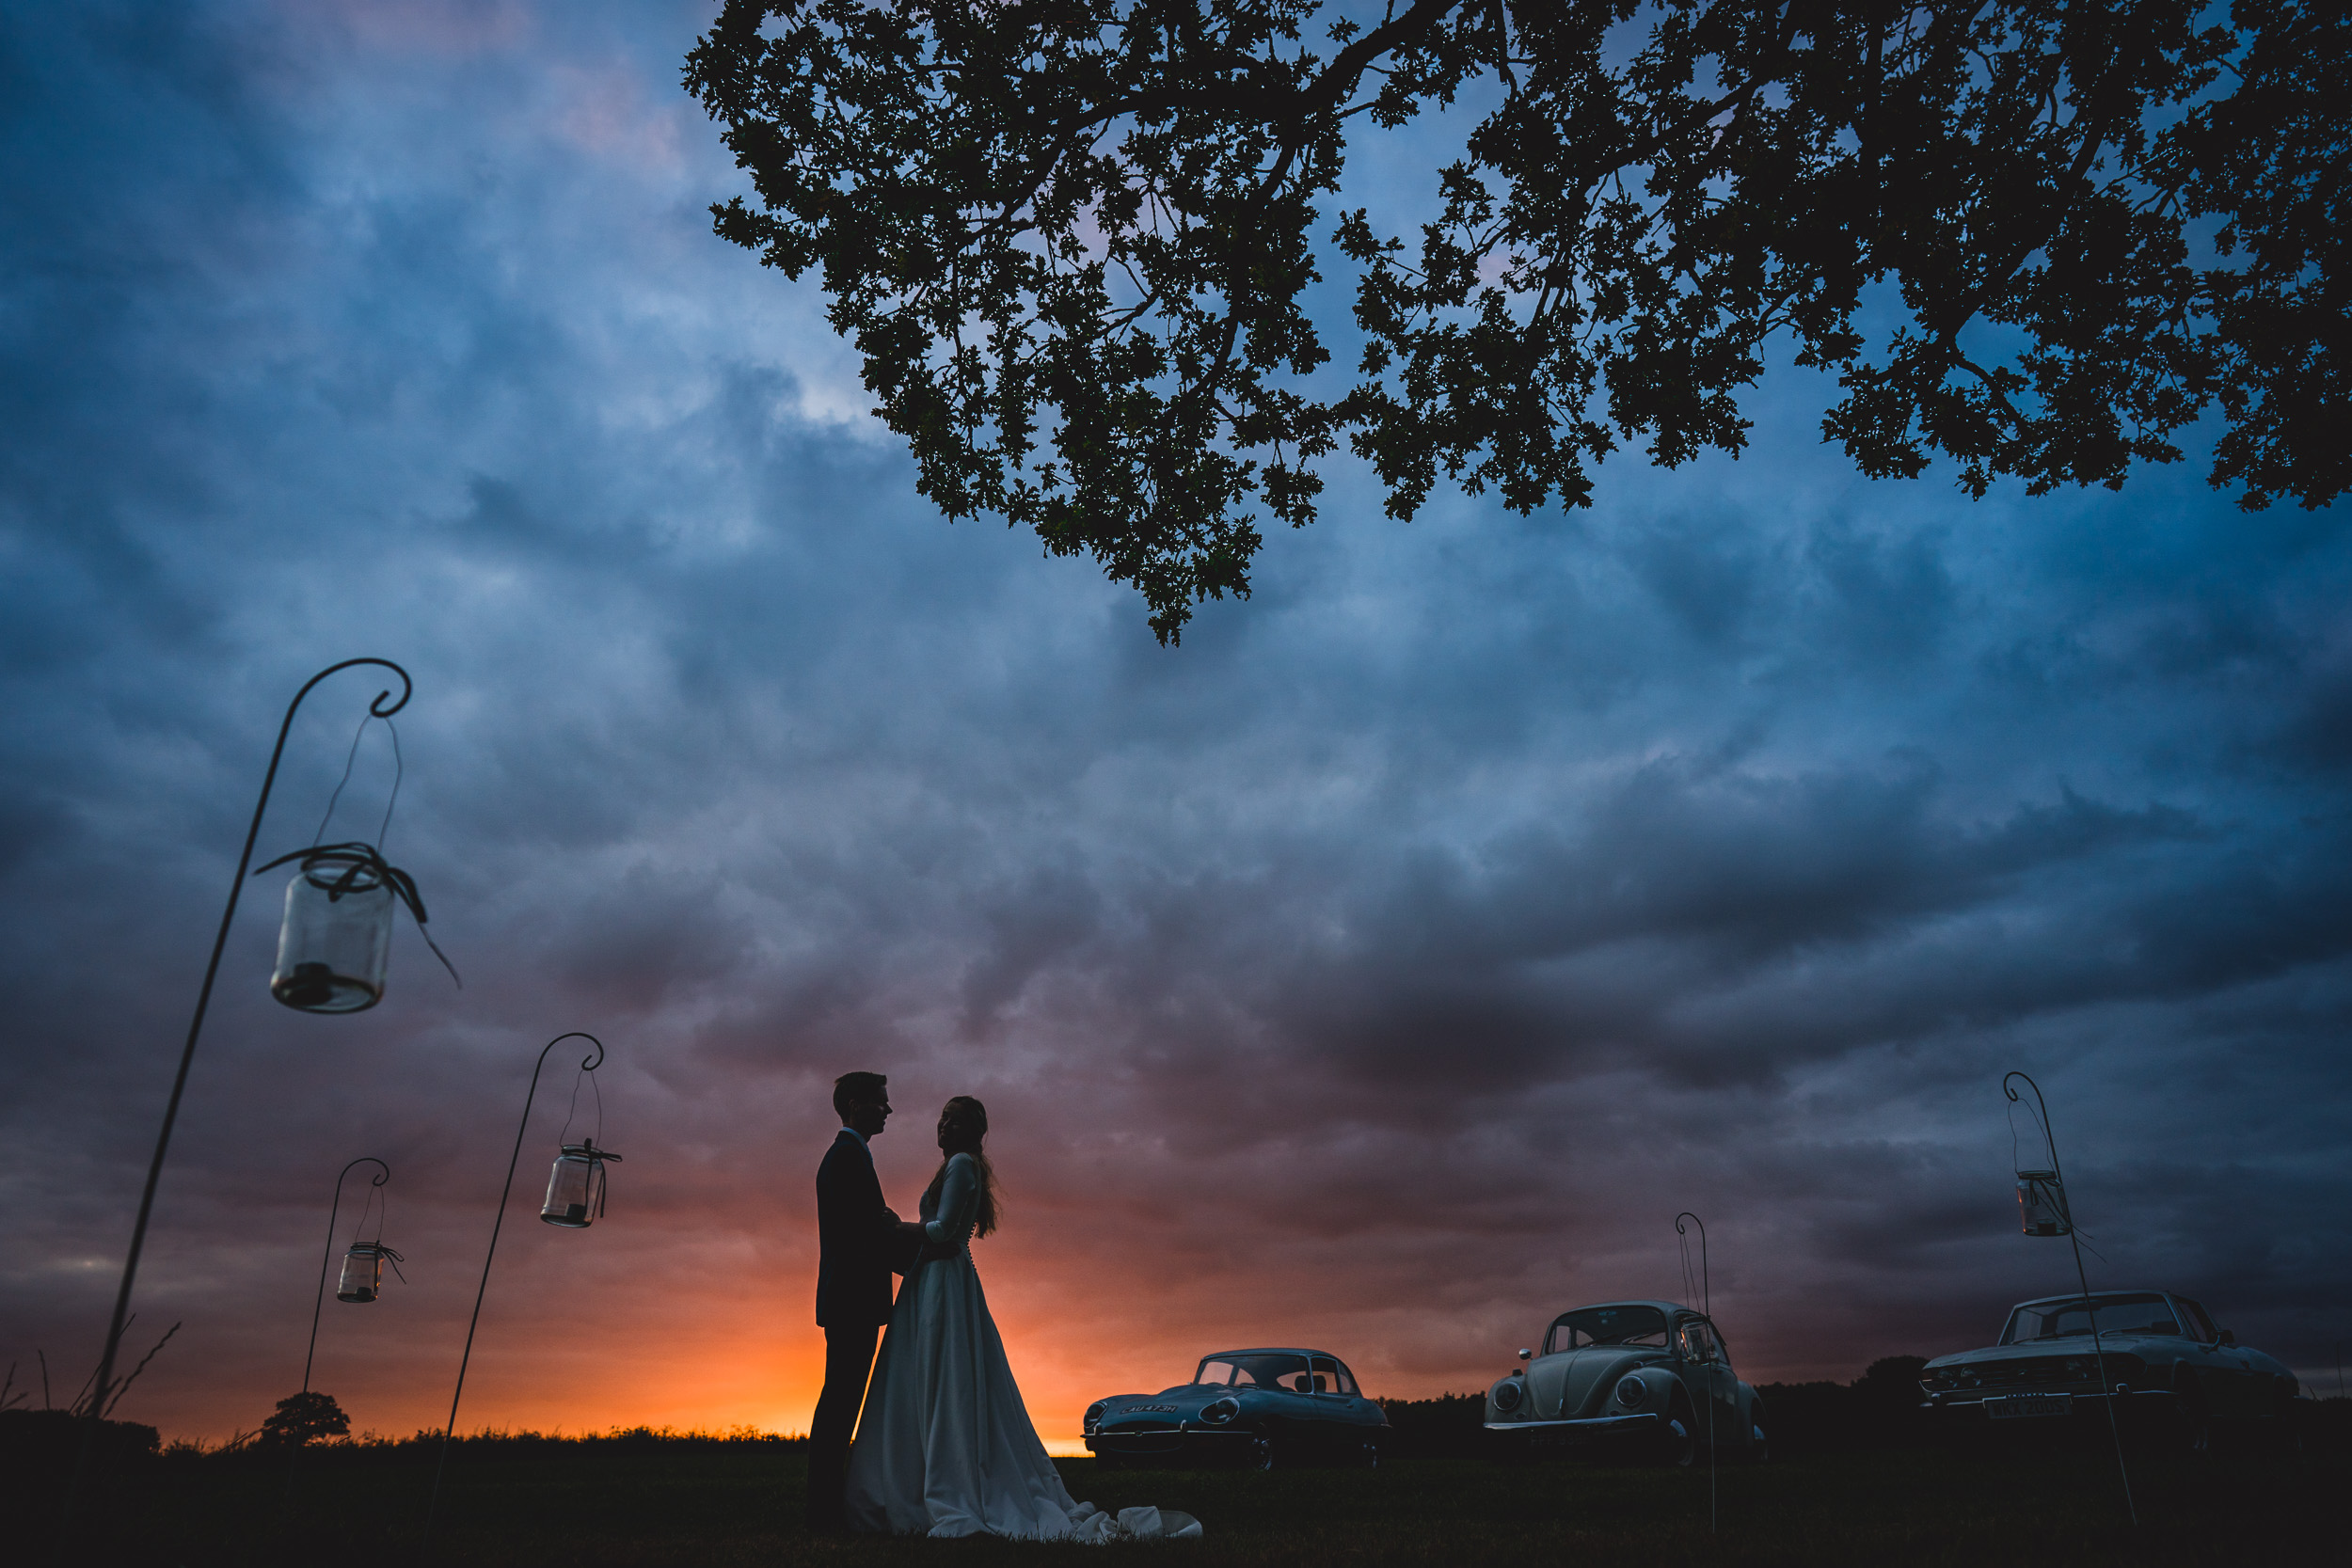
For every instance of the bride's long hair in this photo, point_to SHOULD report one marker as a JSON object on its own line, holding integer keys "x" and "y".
{"x": 972, "y": 1126}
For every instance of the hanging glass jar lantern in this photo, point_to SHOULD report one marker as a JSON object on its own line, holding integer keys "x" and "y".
{"x": 2041, "y": 1204}
{"x": 363, "y": 1271}
{"x": 575, "y": 1187}
{"x": 337, "y": 938}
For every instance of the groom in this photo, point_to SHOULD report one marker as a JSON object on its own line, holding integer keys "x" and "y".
{"x": 859, "y": 1247}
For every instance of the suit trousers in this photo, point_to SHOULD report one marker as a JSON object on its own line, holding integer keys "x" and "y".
{"x": 848, "y": 1361}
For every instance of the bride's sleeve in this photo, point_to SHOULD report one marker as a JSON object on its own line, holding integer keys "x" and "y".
{"x": 959, "y": 1198}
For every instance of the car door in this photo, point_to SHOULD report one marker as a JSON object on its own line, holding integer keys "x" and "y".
{"x": 2225, "y": 1374}
{"x": 1350, "y": 1412}
{"x": 1295, "y": 1413}
{"x": 1722, "y": 1406}
{"x": 1692, "y": 1364}
{"x": 1723, "y": 1384}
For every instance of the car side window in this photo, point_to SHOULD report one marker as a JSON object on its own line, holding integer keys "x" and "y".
{"x": 1332, "y": 1378}
{"x": 2200, "y": 1326}
{"x": 1697, "y": 1342}
{"x": 1346, "y": 1383}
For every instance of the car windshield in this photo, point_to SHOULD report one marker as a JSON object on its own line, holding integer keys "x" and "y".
{"x": 1606, "y": 1326}
{"x": 2137, "y": 1312}
{"x": 1253, "y": 1369}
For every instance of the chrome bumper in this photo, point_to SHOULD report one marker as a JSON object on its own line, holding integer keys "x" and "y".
{"x": 1975, "y": 1400}
{"x": 1586, "y": 1430}
{"x": 1143, "y": 1440}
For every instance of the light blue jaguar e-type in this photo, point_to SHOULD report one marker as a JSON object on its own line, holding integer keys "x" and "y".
{"x": 1257, "y": 1408}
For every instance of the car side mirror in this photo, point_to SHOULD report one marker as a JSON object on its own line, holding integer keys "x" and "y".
{"x": 1524, "y": 1354}
{"x": 2228, "y": 1338}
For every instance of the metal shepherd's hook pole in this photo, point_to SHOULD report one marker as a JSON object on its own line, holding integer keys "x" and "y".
{"x": 587, "y": 1063}
{"x": 382, "y": 707}
{"x": 328, "y": 1257}
{"x": 1707, "y": 1307}
{"x": 2106, "y": 1390}
{"x": 294, "y": 1451}
{"x": 1707, "y": 1296}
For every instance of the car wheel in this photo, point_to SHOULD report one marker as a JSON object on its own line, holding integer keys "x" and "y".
{"x": 1759, "y": 1443}
{"x": 1108, "y": 1462}
{"x": 1371, "y": 1458}
{"x": 1259, "y": 1454}
{"x": 1679, "y": 1446}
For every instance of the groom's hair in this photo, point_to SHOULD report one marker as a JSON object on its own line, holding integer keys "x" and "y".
{"x": 857, "y": 1088}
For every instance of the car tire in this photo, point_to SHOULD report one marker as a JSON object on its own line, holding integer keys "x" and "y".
{"x": 1759, "y": 1439}
{"x": 1679, "y": 1444}
{"x": 1259, "y": 1454}
{"x": 1108, "y": 1462}
{"x": 1370, "y": 1459}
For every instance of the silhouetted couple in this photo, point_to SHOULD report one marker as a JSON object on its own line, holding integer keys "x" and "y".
{"x": 944, "y": 1447}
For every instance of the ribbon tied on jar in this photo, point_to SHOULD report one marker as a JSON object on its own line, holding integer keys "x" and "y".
{"x": 362, "y": 1278}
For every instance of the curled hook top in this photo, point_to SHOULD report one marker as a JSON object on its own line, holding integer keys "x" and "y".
{"x": 587, "y": 1063}
{"x": 375, "y": 708}
{"x": 367, "y": 1159}
{"x": 1686, "y": 1214}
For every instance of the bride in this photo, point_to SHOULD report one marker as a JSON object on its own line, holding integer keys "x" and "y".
{"x": 944, "y": 1447}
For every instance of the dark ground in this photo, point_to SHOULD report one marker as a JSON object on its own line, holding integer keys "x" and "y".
{"x": 647, "y": 1501}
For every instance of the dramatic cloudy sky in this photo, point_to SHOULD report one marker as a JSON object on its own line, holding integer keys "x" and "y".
{"x": 1383, "y": 968}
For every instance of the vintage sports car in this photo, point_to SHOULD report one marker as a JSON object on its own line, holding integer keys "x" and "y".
{"x": 1646, "y": 1377}
{"x": 1258, "y": 1408}
{"x": 2167, "y": 1369}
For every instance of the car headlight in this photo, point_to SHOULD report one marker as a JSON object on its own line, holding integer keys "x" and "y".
{"x": 1632, "y": 1392}
{"x": 1507, "y": 1395}
{"x": 1967, "y": 1377}
{"x": 1094, "y": 1416}
{"x": 1221, "y": 1412}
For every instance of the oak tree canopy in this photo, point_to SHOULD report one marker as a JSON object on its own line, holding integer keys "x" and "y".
{"x": 1077, "y": 242}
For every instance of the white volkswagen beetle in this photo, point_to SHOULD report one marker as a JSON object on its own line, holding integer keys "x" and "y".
{"x": 1644, "y": 1377}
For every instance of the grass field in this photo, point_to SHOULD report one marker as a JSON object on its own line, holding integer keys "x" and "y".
{"x": 619, "y": 1503}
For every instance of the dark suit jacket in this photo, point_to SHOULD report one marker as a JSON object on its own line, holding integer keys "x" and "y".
{"x": 857, "y": 1243}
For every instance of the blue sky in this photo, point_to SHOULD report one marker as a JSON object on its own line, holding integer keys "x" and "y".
{"x": 1384, "y": 967}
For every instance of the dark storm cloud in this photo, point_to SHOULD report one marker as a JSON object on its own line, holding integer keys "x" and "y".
{"x": 1401, "y": 954}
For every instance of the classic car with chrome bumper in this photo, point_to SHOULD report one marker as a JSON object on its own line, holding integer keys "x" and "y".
{"x": 1256, "y": 1408}
{"x": 2152, "y": 1355}
{"x": 1642, "y": 1377}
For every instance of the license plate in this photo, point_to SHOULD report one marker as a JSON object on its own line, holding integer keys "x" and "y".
{"x": 2012, "y": 1407}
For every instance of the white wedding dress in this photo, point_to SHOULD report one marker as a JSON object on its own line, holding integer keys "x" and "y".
{"x": 944, "y": 1445}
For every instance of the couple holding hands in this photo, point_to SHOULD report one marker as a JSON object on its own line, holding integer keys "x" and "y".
{"x": 944, "y": 1445}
